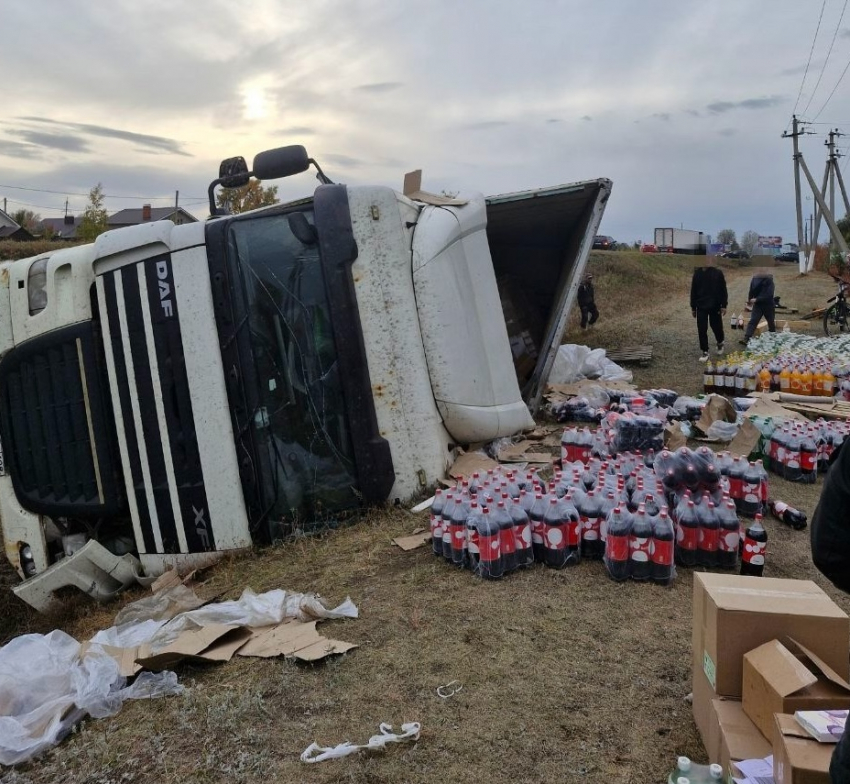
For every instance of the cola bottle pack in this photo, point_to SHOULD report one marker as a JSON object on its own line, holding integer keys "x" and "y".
{"x": 687, "y": 535}
{"x": 590, "y": 510}
{"x": 572, "y": 526}
{"x": 640, "y": 544}
{"x": 522, "y": 532}
{"x": 457, "y": 531}
{"x": 808, "y": 459}
{"x": 618, "y": 532}
{"x": 750, "y": 503}
{"x": 788, "y": 515}
{"x": 661, "y": 552}
{"x": 449, "y": 512}
{"x": 754, "y": 550}
{"x": 730, "y": 535}
{"x": 440, "y": 523}
{"x": 490, "y": 565}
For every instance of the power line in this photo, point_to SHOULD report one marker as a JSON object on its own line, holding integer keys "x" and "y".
{"x": 106, "y": 196}
{"x": 808, "y": 62}
{"x": 829, "y": 52}
{"x": 829, "y": 98}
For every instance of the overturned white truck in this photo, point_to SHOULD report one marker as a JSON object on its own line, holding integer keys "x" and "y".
{"x": 170, "y": 392}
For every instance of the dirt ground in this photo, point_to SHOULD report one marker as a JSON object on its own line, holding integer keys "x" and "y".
{"x": 567, "y": 676}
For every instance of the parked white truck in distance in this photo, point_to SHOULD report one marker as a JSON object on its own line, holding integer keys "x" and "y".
{"x": 169, "y": 393}
{"x": 680, "y": 241}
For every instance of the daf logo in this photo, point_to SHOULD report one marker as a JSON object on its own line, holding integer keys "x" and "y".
{"x": 164, "y": 289}
{"x": 201, "y": 525}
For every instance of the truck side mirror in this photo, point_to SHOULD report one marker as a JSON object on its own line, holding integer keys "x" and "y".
{"x": 280, "y": 162}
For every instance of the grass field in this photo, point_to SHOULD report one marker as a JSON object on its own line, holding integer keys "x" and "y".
{"x": 567, "y": 676}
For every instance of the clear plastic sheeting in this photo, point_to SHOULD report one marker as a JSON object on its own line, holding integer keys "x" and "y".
{"x": 251, "y": 609}
{"x": 574, "y": 363}
{"x": 46, "y": 688}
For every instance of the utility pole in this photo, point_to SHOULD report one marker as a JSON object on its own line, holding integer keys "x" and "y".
{"x": 795, "y": 135}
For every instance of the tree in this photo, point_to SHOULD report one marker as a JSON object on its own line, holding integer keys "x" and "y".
{"x": 726, "y": 236}
{"x": 248, "y": 197}
{"x": 28, "y": 219}
{"x": 95, "y": 221}
{"x": 749, "y": 241}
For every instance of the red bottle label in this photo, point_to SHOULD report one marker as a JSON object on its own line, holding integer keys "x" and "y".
{"x": 639, "y": 548}
{"x": 617, "y": 548}
{"x": 709, "y": 539}
{"x": 507, "y": 541}
{"x": 662, "y": 551}
{"x": 808, "y": 460}
{"x": 490, "y": 547}
{"x": 523, "y": 536}
{"x": 687, "y": 537}
{"x": 573, "y": 533}
{"x": 554, "y": 537}
{"x": 754, "y": 552}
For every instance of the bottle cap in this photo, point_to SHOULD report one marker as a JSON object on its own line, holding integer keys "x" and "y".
{"x": 684, "y": 763}
{"x": 715, "y": 771}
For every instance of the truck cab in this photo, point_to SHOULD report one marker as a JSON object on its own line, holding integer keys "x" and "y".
{"x": 169, "y": 393}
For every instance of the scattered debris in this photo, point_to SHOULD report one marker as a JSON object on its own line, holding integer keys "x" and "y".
{"x": 442, "y": 690}
{"x": 316, "y": 753}
{"x": 418, "y": 538}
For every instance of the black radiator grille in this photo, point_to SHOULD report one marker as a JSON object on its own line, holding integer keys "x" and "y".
{"x": 57, "y": 448}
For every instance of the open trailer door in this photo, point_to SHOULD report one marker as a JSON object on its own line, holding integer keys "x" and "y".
{"x": 539, "y": 242}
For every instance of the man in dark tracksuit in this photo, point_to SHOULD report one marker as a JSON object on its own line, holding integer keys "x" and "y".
{"x": 586, "y": 303}
{"x": 831, "y": 554}
{"x": 761, "y": 299}
{"x": 708, "y": 304}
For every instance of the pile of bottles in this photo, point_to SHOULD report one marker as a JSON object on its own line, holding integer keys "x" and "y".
{"x": 576, "y": 409}
{"x": 797, "y": 450}
{"x": 636, "y": 433}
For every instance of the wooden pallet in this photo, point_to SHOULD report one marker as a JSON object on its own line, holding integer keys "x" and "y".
{"x": 630, "y": 354}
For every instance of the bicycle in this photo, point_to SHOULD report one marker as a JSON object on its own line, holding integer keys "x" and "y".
{"x": 836, "y": 318}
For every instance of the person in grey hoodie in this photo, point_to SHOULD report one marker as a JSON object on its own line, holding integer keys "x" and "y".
{"x": 761, "y": 300}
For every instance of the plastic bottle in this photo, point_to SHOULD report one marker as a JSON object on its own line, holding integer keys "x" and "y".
{"x": 817, "y": 381}
{"x": 754, "y": 549}
{"x": 535, "y": 515}
{"x": 764, "y": 379}
{"x": 687, "y": 535}
{"x": 751, "y": 492}
{"x": 729, "y": 540}
{"x": 554, "y": 536}
{"x": 785, "y": 379}
{"x": 618, "y": 530}
{"x": 640, "y": 543}
{"x": 572, "y": 530}
{"x": 687, "y": 772}
{"x": 795, "y": 381}
{"x": 733, "y": 321}
{"x": 788, "y": 515}
{"x": 661, "y": 551}
{"x": 808, "y": 459}
{"x": 507, "y": 541}
{"x": 828, "y": 383}
{"x": 473, "y": 539}
{"x": 806, "y": 381}
{"x": 708, "y": 378}
{"x": 490, "y": 565}
{"x": 709, "y": 536}
{"x": 522, "y": 533}
{"x": 719, "y": 377}
{"x": 449, "y": 512}
{"x": 793, "y": 469}
{"x": 591, "y": 541}
{"x": 457, "y": 531}
{"x": 740, "y": 321}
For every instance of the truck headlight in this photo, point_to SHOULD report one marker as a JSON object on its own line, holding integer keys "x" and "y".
{"x": 37, "y": 286}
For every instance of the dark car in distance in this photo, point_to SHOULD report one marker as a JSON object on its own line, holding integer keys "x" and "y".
{"x": 787, "y": 255}
{"x": 603, "y": 242}
{"x": 735, "y": 254}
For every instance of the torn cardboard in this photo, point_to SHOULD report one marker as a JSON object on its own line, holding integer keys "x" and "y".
{"x": 413, "y": 190}
{"x": 746, "y": 440}
{"x": 784, "y": 678}
{"x": 717, "y": 408}
{"x": 293, "y": 640}
{"x": 674, "y": 437}
{"x": 797, "y": 757}
{"x": 413, "y": 541}
{"x": 469, "y": 463}
{"x": 517, "y": 453}
{"x": 214, "y": 643}
{"x": 733, "y": 737}
{"x": 767, "y": 405}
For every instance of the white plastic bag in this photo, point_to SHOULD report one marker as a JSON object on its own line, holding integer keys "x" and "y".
{"x": 574, "y": 363}
{"x": 722, "y": 431}
{"x": 46, "y": 688}
{"x": 316, "y": 753}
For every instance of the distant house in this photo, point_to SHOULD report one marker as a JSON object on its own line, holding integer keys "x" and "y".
{"x": 135, "y": 216}
{"x": 11, "y": 230}
{"x": 62, "y": 228}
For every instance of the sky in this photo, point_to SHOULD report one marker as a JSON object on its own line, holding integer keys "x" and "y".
{"x": 681, "y": 104}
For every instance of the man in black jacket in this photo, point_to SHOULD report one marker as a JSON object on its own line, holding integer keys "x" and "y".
{"x": 760, "y": 299}
{"x": 831, "y": 554}
{"x": 708, "y": 304}
{"x": 586, "y": 303}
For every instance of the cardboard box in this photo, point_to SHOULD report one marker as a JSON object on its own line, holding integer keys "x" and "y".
{"x": 797, "y": 757}
{"x": 786, "y": 678}
{"x": 702, "y": 696}
{"x": 732, "y": 736}
{"x": 734, "y": 614}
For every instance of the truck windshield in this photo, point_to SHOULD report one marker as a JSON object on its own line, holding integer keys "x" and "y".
{"x": 300, "y": 427}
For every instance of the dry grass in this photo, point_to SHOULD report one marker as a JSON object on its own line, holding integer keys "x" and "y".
{"x": 567, "y": 676}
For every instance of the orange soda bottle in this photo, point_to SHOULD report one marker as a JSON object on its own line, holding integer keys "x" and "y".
{"x": 795, "y": 381}
{"x": 806, "y": 381}
{"x": 764, "y": 379}
{"x": 828, "y": 383}
{"x": 785, "y": 379}
{"x": 817, "y": 381}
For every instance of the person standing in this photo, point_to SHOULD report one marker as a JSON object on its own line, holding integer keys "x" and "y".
{"x": 586, "y": 303}
{"x": 830, "y": 533}
{"x": 708, "y": 304}
{"x": 761, "y": 300}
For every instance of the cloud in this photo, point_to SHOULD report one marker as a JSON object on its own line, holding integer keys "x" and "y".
{"x": 664, "y": 116}
{"x": 720, "y": 107}
{"x": 158, "y": 143}
{"x": 553, "y": 120}
{"x": 298, "y": 130}
{"x": 342, "y": 160}
{"x": 587, "y": 118}
{"x": 379, "y": 87}
{"x": 727, "y": 131}
{"x": 845, "y": 33}
{"x": 55, "y": 141}
{"x": 692, "y": 112}
{"x": 18, "y": 150}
